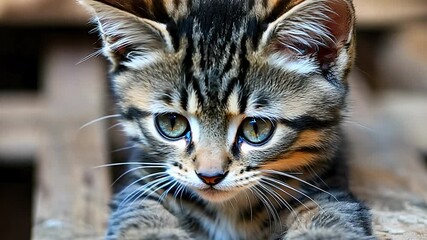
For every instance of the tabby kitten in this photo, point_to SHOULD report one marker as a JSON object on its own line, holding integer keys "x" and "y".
{"x": 234, "y": 108}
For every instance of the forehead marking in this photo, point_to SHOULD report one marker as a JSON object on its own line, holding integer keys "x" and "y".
{"x": 193, "y": 103}
{"x": 233, "y": 102}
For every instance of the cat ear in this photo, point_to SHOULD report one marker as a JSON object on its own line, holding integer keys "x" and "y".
{"x": 313, "y": 35}
{"x": 128, "y": 39}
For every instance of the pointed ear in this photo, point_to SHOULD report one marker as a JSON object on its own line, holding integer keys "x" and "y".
{"x": 128, "y": 39}
{"x": 314, "y": 35}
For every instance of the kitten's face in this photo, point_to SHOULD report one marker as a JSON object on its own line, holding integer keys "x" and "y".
{"x": 225, "y": 94}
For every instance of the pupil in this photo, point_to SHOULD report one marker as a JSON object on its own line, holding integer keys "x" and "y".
{"x": 172, "y": 119}
{"x": 254, "y": 126}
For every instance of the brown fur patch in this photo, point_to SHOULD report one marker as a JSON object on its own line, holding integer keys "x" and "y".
{"x": 308, "y": 138}
{"x": 291, "y": 161}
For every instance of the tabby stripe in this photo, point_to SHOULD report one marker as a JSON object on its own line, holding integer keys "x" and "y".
{"x": 229, "y": 89}
{"x": 253, "y": 29}
{"x": 183, "y": 98}
{"x": 196, "y": 87}
{"x": 228, "y": 64}
{"x": 159, "y": 11}
{"x": 244, "y": 66}
{"x": 172, "y": 28}
{"x": 308, "y": 122}
{"x": 166, "y": 97}
{"x": 133, "y": 113}
{"x": 309, "y": 149}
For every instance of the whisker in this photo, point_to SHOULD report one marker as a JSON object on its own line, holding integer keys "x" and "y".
{"x": 313, "y": 172}
{"x": 277, "y": 199}
{"x": 282, "y": 190}
{"x": 287, "y": 205}
{"x": 166, "y": 182}
{"x": 99, "y": 119}
{"x": 250, "y": 205}
{"x": 130, "y": 163}
{"x": 300, "y": 180}
{"x": 115, "y": 125}
{"x": 124, "y": 148}
{"x": 371, "y": 130}
{"x": 134, "y": 169}
{"x": 163, "y": 196}
{"x": 294, "y": 189}
{"x": 92, "y": 55}
{"x": 266, "y": 203}
{"x": 134, "y": 195}
{"x": 137, "y": 181}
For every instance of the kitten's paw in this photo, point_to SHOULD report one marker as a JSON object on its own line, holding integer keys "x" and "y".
{"x": 325, "y": 234}
{"x": 164, "y": 234}
{"x": 136, "y": 233}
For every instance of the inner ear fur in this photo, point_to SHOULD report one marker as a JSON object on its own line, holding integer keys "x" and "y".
{"x": 124, "y": 34}
{"x": 317, "y": 29}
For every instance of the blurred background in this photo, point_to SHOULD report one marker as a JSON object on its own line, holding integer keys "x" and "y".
{"x": 50, "y": 88}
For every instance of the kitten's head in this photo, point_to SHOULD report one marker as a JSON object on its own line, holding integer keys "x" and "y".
{"x": 223, "y": 93}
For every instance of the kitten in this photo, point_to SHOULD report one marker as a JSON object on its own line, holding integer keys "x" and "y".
{"x": 235, "y": 108}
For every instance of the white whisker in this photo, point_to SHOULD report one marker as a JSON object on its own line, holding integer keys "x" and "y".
{"x": 163, "y": 196}
{"x": 282, "y": 190}
{"x": 294, "y": 189}
{"x": 278, "y": 199}
{"x": 134, "y": 169}
{"x": 270, "y": 211}
{"x": 282, "y": 200}
{"x": 300, "y": 180}
{"x": 115, "y": 125}
{"x": 99, "y": 119}
{"x": 144, "y": 188}
{"x": 165, "y": 181}
{"x": 137, "y": 181}
{"x": 371, "y": 130}
{"x": 92, "y": 55}
{"x": 130, "y": 163}
{"x": 124, "y": 148}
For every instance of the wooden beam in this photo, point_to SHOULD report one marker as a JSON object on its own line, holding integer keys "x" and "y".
{"x": 42, "y": 12}
{"x": 21, "y": 117}
{"x": 389, "y": 13}
{"x": 72, "y": 197}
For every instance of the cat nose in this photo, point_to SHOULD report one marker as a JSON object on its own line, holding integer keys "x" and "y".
{"x": 211, "y": 179}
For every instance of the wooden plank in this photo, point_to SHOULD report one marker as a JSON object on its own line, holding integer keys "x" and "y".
{"x": 402, "y": 59}
{"x": 371, "y": 13}
{"x": 388, "y": 13}
{"x": 72, "y": 198}
{"x": 387, "y": 171}
{"x": 20, "y": 126}
{"x": 42, "y": 12}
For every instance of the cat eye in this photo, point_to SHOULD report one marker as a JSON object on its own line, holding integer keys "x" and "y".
{"x": 172, "y": 126}
{"x": 256, "y": 131}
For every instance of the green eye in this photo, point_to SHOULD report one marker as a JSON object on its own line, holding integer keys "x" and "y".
{"x": 256, "y": 131}
{"x": 171, "y": 125}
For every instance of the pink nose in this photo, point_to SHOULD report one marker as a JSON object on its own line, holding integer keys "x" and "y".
{"x": 212, "y": 179}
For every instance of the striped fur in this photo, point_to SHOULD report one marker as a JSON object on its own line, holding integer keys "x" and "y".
{"x": 217, "y": 63}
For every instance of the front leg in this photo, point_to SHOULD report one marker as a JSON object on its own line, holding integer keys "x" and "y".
{"x": 342, "y": 217}
{"x": 143, "y": 219}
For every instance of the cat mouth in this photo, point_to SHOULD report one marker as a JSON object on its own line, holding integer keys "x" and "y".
{"x": 215, "y": 195}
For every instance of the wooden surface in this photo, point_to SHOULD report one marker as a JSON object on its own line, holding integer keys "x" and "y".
{"x": 371, "y": 13}
{"x": 42, "y": 12}
{"x": 389, "y": 13}
{"x": 387, "y": 135}
{"x": 71, "y": 197}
